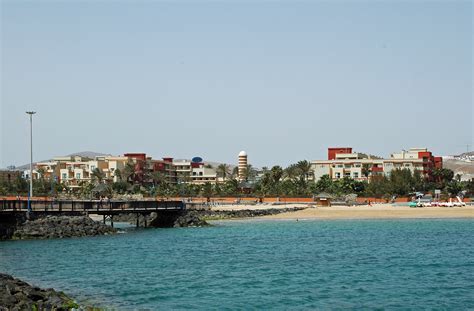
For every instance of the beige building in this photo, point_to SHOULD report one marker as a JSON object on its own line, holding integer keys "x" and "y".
{"x": 194, "y": 173}
{"x": 359, "y": 166}
{"x": 203, "y": 174}
{"x": 74, "y": 170}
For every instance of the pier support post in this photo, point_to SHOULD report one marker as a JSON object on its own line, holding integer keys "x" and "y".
{"x": 138, "y": 220}
{"x": 144, "y": 220}
{"x": 104, "y": 220}
{"x": 112, "y": 221}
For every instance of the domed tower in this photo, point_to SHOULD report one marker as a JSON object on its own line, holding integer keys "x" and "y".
{"x": 242, "y": 165}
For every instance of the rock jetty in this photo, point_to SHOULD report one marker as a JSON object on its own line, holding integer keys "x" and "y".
{"x": 216, "y": 214}
{"x": 196, "y": 218}
{"x": 52, "y": 227}
{"x": 18, "y": 295}
{"x": 190, "y": 219}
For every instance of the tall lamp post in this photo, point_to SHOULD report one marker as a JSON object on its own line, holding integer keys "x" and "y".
{"x": 30, "y": 193}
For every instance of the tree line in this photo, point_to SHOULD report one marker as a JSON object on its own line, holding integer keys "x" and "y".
{"x": 296, "y": 180}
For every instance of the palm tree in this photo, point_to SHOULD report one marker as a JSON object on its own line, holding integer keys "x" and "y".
{"x": 235, "y": 172}
{"x": 223, "y": 170}
{"x": 366, "y": 169}
{"x": 291, "y": 172}
{"x": 158, "y": 177}
{"x": 41, "y": 173}
{"x": 118, "y": 174}
{"x": 129, "y": 171}
{"x": 97, "y": 175}
{"x": 304, "y": 168}
{"x": 250, "y": 173}
{"x": 276, "y": 173}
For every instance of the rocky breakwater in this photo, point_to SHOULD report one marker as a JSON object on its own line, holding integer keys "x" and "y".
{"x": 51, "y": 227}
{"x": 249, "y": 213}
{"x": 190, "y": 219}
{"x": 196, "y": 217}
{"x": 18, "y": 295}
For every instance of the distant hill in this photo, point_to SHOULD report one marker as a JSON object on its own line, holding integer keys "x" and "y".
{"x": 90, "y": 154}
{"x": 462, "y": 164}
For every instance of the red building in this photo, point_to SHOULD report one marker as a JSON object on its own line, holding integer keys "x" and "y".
{"x": 333, "y": 151}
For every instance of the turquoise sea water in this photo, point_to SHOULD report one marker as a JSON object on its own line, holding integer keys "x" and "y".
{"x": 337, "y": 264}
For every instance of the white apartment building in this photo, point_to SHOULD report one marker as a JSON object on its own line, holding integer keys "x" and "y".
{"x": 195, "y": 173}
{"x": 203, "y": 174}
{"x": 349, "y": 164}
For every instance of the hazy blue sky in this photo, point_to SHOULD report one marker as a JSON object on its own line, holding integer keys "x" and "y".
{"x": 279, "y": 79}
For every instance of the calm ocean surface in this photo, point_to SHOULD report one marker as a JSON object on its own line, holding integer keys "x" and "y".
{"x": 336, "y": 264}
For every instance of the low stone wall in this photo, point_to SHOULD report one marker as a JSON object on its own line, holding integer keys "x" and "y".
{"x": 50, "y": 227}
{"x": 18, "y": 295}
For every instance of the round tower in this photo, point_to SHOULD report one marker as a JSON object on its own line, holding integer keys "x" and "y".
{"x": 242, "y": 165}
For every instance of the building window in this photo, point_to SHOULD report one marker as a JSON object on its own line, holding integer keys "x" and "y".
{"x": 78, "y": 175}
{"x": 347, "y": 174}
{"x": 340, "y": 165}
{"x": 92, "y": 167}
{"x": 64, "y": 176}
{"x": 357, "y": 165}
{"x": 356, "y": 175}
{"x": 338, "y": 175}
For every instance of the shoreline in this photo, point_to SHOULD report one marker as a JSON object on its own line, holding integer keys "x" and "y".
{"x": 379, "y": 211}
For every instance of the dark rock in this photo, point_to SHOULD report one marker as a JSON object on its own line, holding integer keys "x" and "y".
{"x": 190, "y": 219}
{"x": 60, "y": 227}
{"x": 209, "y": 214}
{"x": 18, "y": 295}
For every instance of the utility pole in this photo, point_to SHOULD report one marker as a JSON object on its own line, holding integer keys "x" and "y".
{"x": 30, "y": 193}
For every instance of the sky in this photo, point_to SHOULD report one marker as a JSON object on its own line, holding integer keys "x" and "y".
{"x": 282, "y": 80}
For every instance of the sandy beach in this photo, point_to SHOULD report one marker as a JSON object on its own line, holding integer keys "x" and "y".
{"x": 378, "y": 211}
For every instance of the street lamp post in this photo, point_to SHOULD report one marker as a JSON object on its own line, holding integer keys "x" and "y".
{"x": 30, "y": 193}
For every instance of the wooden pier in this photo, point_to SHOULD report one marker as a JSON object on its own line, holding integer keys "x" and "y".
{"x": 107, "y": 208}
